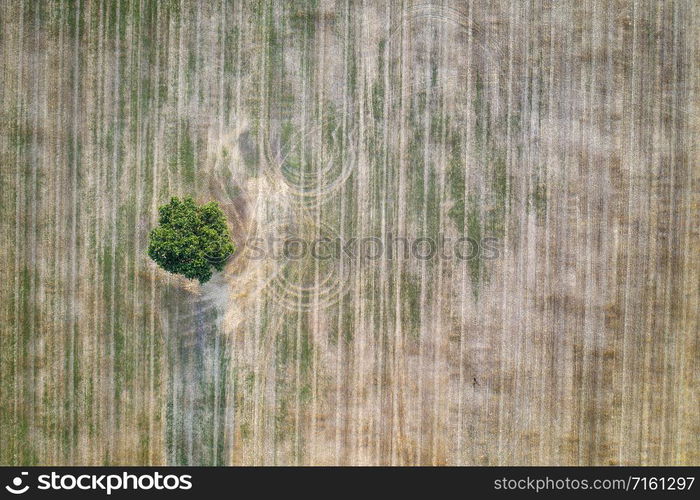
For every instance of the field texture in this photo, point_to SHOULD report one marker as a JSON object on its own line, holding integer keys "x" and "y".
{"x": 559, "y": 137}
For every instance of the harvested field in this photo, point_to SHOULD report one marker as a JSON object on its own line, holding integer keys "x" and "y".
{"x": 557, "y": 139}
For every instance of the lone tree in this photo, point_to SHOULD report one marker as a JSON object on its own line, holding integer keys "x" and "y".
{"x": 191, "y": 239}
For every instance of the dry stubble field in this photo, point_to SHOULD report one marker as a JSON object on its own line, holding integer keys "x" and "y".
{"x": 566, "y": 131}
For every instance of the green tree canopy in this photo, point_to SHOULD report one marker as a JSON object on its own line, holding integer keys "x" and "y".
{"x": 190, "y": 239}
